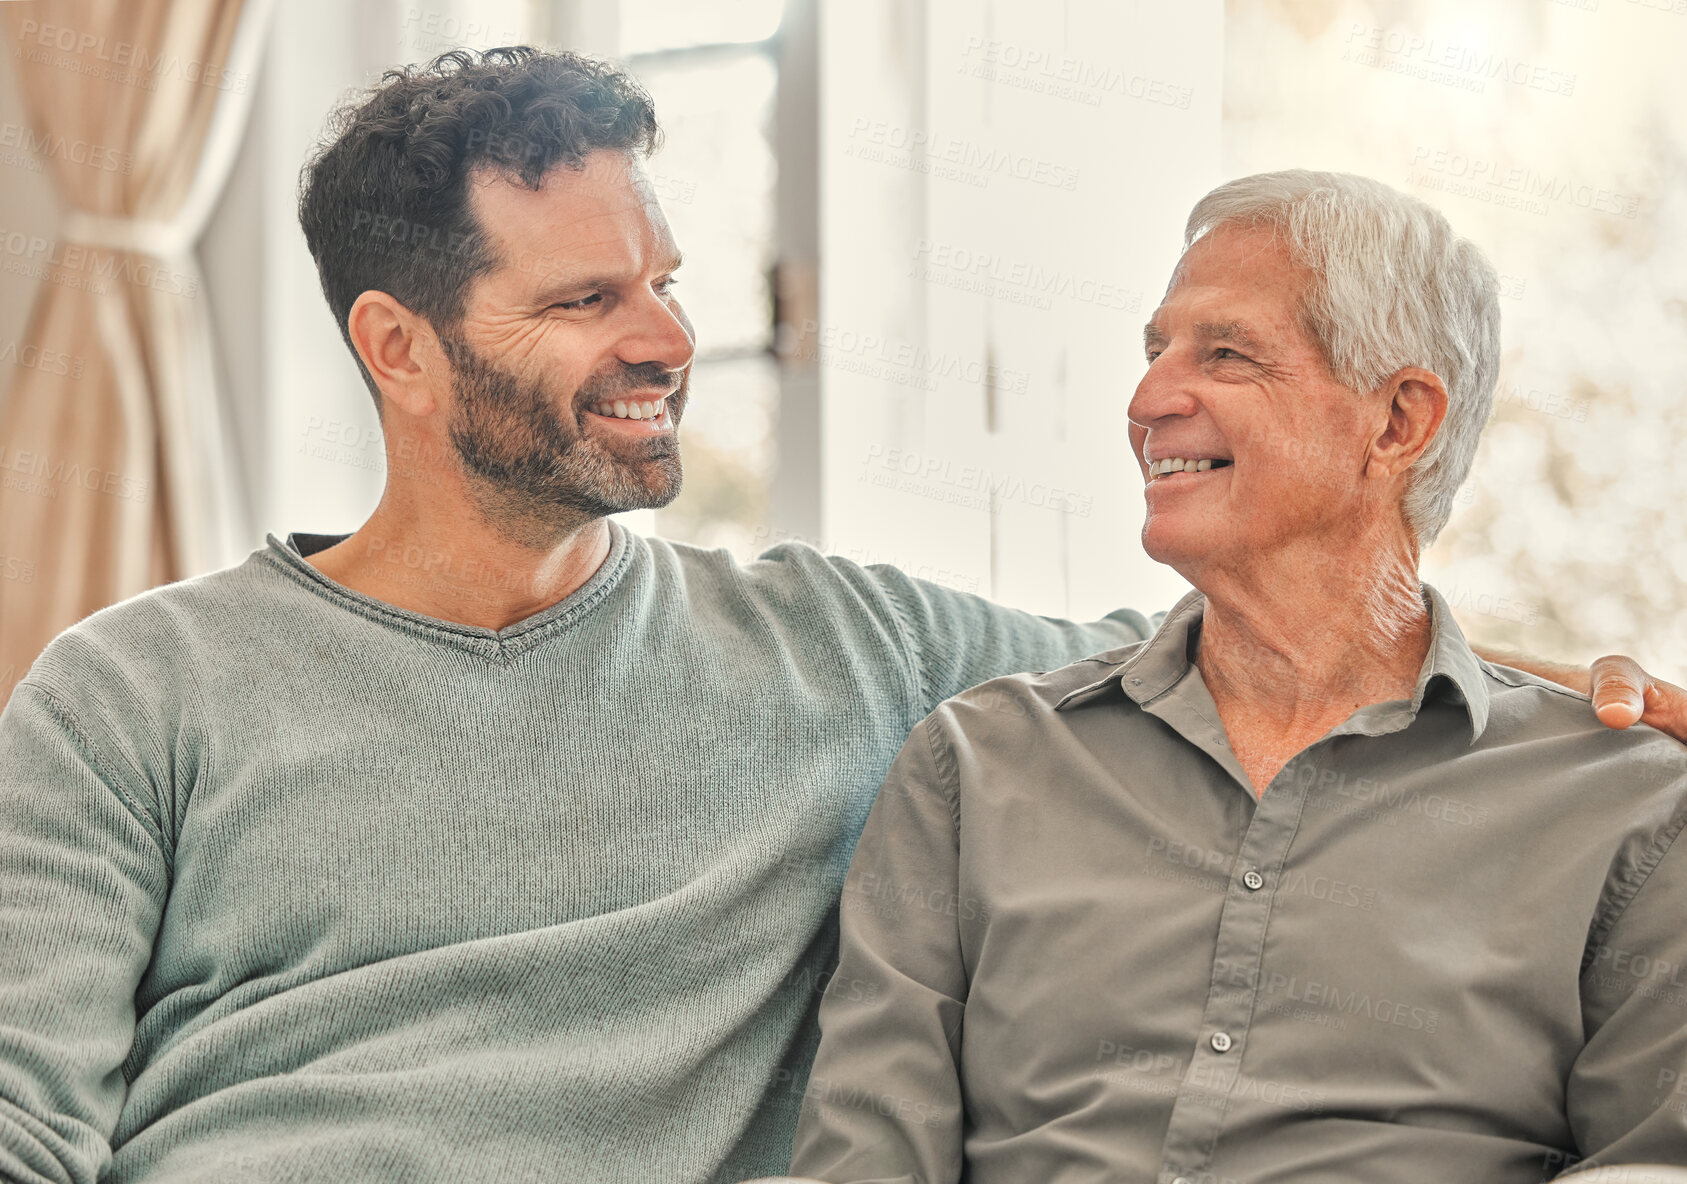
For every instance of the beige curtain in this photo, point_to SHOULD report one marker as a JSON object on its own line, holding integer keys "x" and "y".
{"x": 113, "y": 441}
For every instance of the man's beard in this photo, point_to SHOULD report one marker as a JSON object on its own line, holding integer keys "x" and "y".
{"x": 537, "y": 473}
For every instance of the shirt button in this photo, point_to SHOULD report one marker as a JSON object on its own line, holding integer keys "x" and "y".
{"x": 1253, "y": 881}
{"x": 1221, "y": 1042}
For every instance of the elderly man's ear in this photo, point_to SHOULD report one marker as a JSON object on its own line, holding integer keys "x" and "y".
{"x": 1415, "y": 402}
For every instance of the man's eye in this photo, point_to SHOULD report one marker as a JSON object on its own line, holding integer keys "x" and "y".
{"x": 1225, "y": 352}
{"x": 664, "y": 286}
{"x": 1152, "y": 354}
{"x": 583, "y": 302}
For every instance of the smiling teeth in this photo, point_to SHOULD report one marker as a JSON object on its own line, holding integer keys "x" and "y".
{"x": 621, "y": 409}
{"x": 1177, "y": 464}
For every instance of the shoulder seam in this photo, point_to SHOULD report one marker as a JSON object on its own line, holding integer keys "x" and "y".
{"x": 1533, "y": 682}
{"x": 193, "y": 720}
{"x": 1031, "y": 678}
{"x": 913, "y": 660}
{"x": 103, "y": 767}
{"x": 943, "y": 760}
{"x": 1630, "y": 888}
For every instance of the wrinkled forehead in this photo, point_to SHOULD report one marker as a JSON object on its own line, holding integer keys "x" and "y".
{"x": 1239, "y": 266}
{"x": 1240, "y": 287}
{"x": 1234, "y": 249}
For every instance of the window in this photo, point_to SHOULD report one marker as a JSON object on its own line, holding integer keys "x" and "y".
{"x": 716, "y": 176}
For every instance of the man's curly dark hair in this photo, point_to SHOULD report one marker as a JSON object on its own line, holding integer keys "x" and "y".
{"x": 385, "y": 202}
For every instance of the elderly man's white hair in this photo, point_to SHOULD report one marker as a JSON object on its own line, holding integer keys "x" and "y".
{"x": 1392, "y": 286}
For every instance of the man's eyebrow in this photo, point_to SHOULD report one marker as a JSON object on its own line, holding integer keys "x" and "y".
{"x": 562, "y": 285}
{"x": 1235, "y": 332}
{"x": 554, "y": 284}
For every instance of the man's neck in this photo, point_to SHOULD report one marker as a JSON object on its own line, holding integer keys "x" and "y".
{"x": 458, "y": 568}
{"x": 1289, "y": 653}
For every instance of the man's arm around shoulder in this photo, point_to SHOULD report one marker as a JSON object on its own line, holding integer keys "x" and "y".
{"x": 960, "y": 640}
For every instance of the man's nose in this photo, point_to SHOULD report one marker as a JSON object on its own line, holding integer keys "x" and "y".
{"x": 660, "y": 333}
{"x": 1163, "y": 392}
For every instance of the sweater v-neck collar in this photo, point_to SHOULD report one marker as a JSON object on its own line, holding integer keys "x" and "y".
{"x": 505, "y": 643}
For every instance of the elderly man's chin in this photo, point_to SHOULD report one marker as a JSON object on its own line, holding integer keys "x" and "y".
{"x": 1186, "y": 537}
{"x": 1182, "y": 551}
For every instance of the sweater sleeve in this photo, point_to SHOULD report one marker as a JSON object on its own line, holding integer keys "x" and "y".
{"x": 83, "y": 880}
{"x": 960, "y": 640}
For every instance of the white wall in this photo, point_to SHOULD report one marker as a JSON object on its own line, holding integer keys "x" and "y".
{"x": 1003, "y": 189}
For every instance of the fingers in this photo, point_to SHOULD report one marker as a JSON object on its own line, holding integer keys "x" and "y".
{"x": 1619, "y": 691}
{"x": 1666, "y": 708}
{"x": 1624, "y": 695}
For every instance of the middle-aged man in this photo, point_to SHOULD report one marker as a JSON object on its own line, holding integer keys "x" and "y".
{"x": 1300, "y": 889}
{"x": 490, "y": 842}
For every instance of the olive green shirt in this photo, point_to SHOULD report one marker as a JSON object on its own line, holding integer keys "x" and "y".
{"x": 1448, "y": 942}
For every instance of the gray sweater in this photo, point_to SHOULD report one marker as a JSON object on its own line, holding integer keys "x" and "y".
{"x": 295, "y": 885}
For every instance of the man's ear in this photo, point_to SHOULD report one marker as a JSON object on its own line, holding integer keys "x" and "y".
{"x": 398, "y": 347}
{"x": 1415, "y": 402}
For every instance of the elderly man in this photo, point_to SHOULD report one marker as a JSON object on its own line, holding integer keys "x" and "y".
{"x": 1300, "y": 889}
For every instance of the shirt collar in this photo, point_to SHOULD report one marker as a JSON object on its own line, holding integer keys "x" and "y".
{"x": 1450, "y": 669}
